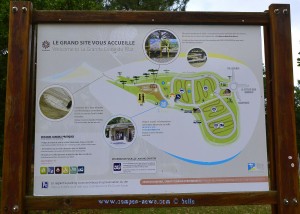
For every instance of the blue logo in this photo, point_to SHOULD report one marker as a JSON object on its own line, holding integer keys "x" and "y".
{"x": 117, "y": 167}
{"x": 80, "y": 169}
{"x": 163, "y": 103}
{"x": 50, "y": 170}
{"x": 177, "y": 97}
{"x": 251, "y": 166}
{"x": 45, "y": 185}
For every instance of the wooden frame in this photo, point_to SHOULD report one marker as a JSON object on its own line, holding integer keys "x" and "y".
{"x": 282, "y": 151}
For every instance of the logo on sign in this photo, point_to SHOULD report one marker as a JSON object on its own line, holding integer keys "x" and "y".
{"x": 65, "y": 170}
{"x": 45, "y": 185}
{"x": 117, "y": 167}
{"x": 73, "y": 169}
{"x": 50, "y": 170}
{"x": 258, "y": 167}
{"x": 58, "y": 170}
{"x": 80, "y": 169}
{"x": 46, "y": 44}
{"x": 251, "y": 166}
{"x": 43, "y": 170}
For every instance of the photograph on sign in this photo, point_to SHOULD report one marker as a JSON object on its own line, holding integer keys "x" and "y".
{"x": 149, "y": 109}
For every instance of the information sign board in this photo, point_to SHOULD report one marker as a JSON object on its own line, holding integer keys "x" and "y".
{"x": 135, "y": 109}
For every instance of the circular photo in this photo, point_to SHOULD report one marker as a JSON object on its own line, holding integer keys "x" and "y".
{"x": 161, "y": 46}
{"x": 55, "y": 103}
{"x": 197, "y": 57}
{"x": 119, "y": 132}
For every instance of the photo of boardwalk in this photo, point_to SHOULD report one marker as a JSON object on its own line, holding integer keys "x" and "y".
{"x": 197, "y": 57}
{"x": 55, "y": 103}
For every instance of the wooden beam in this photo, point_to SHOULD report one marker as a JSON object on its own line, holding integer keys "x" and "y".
{"x": 284, "y": 126}
{"x": 130, "y": 201}
{"x": 151, "y": 17}
{"x": 16, "y": 109}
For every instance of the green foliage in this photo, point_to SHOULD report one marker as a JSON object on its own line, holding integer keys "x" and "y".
{"x": 67, "y": 4}
{"x": 165, "y": 5}
{"x": 297, "y": 112}
{"x": 4, "y": 9}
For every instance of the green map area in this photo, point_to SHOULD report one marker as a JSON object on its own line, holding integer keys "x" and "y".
{"x": 206, "y": 95}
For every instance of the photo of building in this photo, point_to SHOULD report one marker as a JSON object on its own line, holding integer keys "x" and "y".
{"x": 120, "y": 129}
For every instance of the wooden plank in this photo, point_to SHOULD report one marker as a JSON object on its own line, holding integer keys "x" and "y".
{"x": 150, "y": 17}
{"x": 269, "y": 115}
{"x": 16, "y": 109}
{"x": 126, "y": 201}
{"x": 283, "y": 109}
{"x": 31, "y": 114}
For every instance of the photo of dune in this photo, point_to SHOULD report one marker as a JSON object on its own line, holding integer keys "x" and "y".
{"x": 55, "y": 103}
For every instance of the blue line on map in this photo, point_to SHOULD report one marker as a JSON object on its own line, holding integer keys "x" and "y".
{"x": 144, "y": 111}
{"x": 204, "y": 162}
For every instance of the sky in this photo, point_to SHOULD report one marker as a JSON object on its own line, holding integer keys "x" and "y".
{"x": 256, "y": 6}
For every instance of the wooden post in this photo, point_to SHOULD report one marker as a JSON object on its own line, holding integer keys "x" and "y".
{"x": 16, "y": 109}
{"x": 284, "y": 126}
{"x": 269, "y": 116}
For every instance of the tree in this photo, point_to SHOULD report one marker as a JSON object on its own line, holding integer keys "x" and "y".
{"x": 146, "y": 75}
{"x": 297, "y": 112}
{"x": 154, "y": 72}
{"x": 296, "y": 105}
{"x": 297, "y": 108}
{"x": 165, "y": 5}
{"x": 136, "y": 78}
{"x": 4, "y": 9}
{"x": 123, "y": 82}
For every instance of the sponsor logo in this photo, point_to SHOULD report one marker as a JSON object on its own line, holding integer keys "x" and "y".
{"x": 73, "y": 169}
{"x": 45, "y": 45}
{"x": 80, "y": 169}
{"x": 45, "y": 185}
{"x": 50, "y": 170}
{"x": 62, "y": 170}
{"x": 58, "y": 170}
{"x": 117, "y": 167}
{"x": 43, "y": 170}
{"x": 66, "y": 170}
{"x": 255, "y": 167}
{"x": 251, "y": 166}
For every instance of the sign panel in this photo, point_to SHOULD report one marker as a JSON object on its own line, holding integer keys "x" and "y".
{"x": 149, "y": 109}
